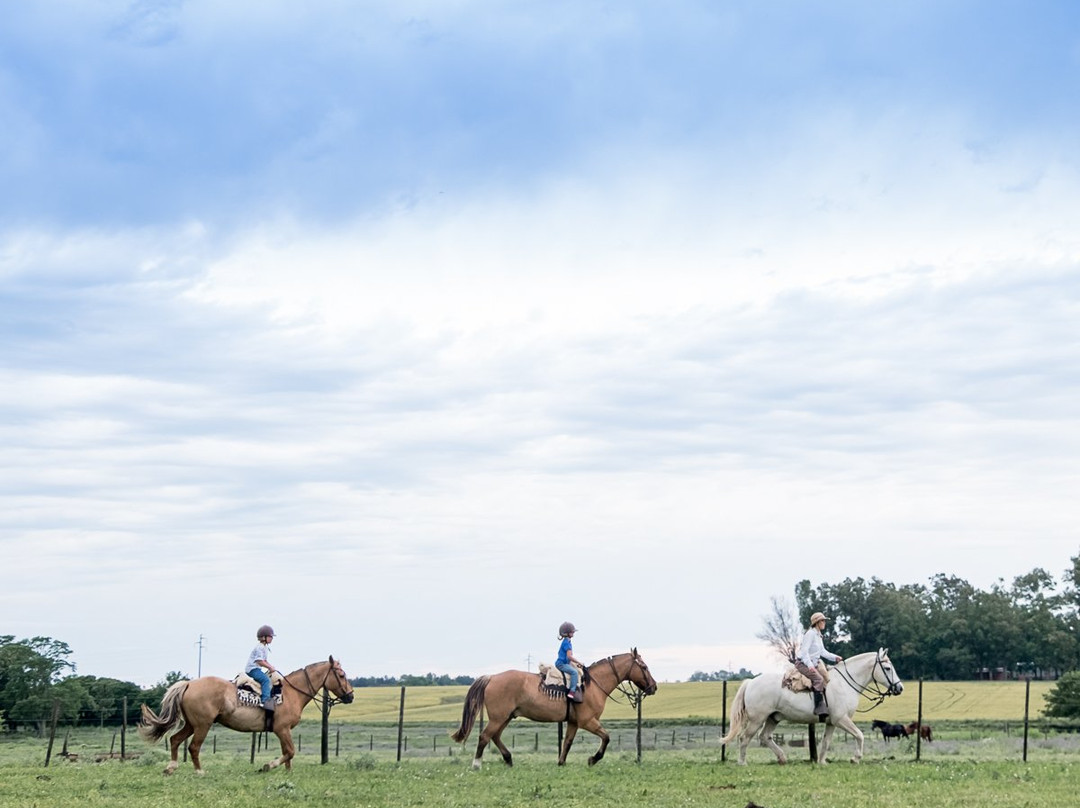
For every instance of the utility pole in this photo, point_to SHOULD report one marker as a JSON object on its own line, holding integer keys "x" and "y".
{"x": 200, "y": 644}
{"x": 528, "y": 663}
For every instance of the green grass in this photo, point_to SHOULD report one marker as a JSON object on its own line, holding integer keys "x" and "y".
{"x": 685, "y": 779}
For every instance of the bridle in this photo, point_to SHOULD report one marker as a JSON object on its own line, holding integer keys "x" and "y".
{"x": 634, "y": 694}
{"x": 314, "y": 694}
{"x": 871, "y": 690}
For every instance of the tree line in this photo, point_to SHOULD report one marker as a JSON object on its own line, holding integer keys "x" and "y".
{"x": 37, "y": 673}
{"x": 949, "y": 629}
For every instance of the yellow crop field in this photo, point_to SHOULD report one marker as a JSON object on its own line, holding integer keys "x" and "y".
{"x": 679, "y": 701}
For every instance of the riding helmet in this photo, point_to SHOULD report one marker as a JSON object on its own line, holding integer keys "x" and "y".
{"x": 264, "y": 631}
{"x": 566, "y": 628}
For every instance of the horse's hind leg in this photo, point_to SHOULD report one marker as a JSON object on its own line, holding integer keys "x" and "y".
{"x": 492, "y": 732}
{"x": 199, "y": 735}
{"x": 496, "y": 738}
{"x": 175, "y": 741}
{"x": 767, "y": 738}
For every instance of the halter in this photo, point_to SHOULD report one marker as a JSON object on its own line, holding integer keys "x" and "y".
{"x": 872, "y": 689}
{"x": 314, "y": 694}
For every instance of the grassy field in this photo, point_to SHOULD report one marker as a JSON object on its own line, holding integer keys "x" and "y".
{"x": 685, "y": 779}
{"x": 683, "y": 701}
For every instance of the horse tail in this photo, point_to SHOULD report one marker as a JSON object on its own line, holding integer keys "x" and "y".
{"x": 474, "y": 702}
{"x": 738, "y": 714}
{"x": 153, "y": 727}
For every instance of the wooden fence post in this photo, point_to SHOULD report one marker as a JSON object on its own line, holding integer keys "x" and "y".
{"x": 401, "y": 723}
{"x": 123, "y": 732}
{"x": 52, "y": 729}
{"x": 723, "y": 720}
{"x": 326, "y": 726}
{"x": 1027, "y": 707}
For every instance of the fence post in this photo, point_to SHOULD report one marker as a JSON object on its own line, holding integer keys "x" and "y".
{"x": 723, "y": 720}
{"x": 812, "y": 742}
{"x": 918, "y": 728}
{"x": 1027, "y": 706}
{"x": 52, "y": 729}
{"x": 639, "y": 730}
{"x": 326, "y": 726}
{"x": 123, "y": 732}
{"x": 253, "y": 737}
{"x": 400, "y": 723}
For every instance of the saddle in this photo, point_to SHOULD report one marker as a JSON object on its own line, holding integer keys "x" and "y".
{"x": 797, "y": 683}
{"x": 553, "y": 680}
{"x": 249, "y": 692}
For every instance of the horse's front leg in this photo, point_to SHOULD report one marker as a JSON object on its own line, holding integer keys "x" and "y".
{"x": 596, "y": 728}
{"x": 848, "y": 725}
{"x": 826, "y": 737}
{"x": 571, "y": 731}
{"x": 288, "y": 750}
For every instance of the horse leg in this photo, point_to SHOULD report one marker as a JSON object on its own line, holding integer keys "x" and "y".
{"x": 492, "y": 730}
{"x": 198, "y": 736}
{"x": 846, "y": 723}
{"x": 288, "y": 750}
{"x": 496, "y": 738}
{"x": 826, "y": 737}
{"x": 767, "y": 740}
{"x": 175, "y": 741}
{"x": 571, "y": 731}
{"x": 594, "y": 726}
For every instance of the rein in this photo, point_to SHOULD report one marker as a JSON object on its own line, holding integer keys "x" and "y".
{"x": 872, "y": 689}
{"x": 314, "y": 694}
{"x": 634, "y": 694}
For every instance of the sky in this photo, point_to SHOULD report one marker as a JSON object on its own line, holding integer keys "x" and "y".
{"x": 414, "y": 329}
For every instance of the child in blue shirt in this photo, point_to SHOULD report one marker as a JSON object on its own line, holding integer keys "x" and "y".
{"x": 566, "y": 656}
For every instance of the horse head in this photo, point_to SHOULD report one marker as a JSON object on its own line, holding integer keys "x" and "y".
{"x": 639, "y": 673}
{"x": 885, "y": 674}
{"x": 337, "y": 682}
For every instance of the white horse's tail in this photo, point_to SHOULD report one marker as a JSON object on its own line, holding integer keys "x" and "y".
{"x": 738, "y": 714}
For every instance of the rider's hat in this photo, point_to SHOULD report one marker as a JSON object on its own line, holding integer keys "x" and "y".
{"x": 816, "y": 617}
{"x": 566, "y": 628}
{"x": 264, "y": 631}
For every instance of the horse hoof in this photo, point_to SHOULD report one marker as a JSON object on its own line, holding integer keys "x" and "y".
{"x": 476, "y": 765}
{"x": 265, "y": 768}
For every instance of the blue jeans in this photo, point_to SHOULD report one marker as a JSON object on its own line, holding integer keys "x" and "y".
{"x": 570, "y": 671}
{"x": 263, "y": 678}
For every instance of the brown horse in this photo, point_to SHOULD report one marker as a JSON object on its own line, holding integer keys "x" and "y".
{"x": 198, "y": 704}
{"x": 925, "y": 730}
{"x": 509, "y": 694}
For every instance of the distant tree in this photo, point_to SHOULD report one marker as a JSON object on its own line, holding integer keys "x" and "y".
{"x": 721, "y": 676}
{"x": 781, "y": 629}
{"x": 28, "y": 671}
{"x": 1063, "y": 700}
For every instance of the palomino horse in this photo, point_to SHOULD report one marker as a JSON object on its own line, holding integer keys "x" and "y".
{"x": 199, "y": 703}
{"x": 509, "y": 694}
{"x": 763, "y": 702}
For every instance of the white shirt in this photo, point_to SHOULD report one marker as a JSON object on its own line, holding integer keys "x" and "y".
{"x": 812, "y": 648}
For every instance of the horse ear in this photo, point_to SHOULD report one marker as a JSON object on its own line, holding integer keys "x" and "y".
{"x": 634, "y": 650}
{"x": 331, "y": 659}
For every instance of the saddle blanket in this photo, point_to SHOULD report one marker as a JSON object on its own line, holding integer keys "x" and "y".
{"x": 795, "y": 681}
{"x": 249, "y": 692}
{"x": 550, "y": 676}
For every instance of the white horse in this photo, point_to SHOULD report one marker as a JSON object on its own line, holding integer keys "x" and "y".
{"x": 763, "y": 702}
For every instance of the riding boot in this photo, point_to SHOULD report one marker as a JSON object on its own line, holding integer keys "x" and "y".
{"x": 269, "y": 705}
{"x": 821, "y": 709}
